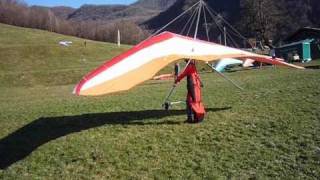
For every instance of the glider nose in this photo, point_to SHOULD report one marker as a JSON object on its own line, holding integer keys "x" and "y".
{"x": 76, "y": 90}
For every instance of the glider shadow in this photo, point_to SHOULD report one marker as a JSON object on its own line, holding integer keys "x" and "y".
{"x": 313, "y": 67}
{"x": 25, "y": 140}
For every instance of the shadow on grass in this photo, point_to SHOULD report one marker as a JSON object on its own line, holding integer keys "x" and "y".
{"x": 25, "y": 140}
{"x": 313, "y": 67}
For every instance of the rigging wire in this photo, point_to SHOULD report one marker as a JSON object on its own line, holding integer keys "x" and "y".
{"x": 172, "y": 21}
{"x": 221, "y": 28}
{"x": 213, "y": 13}
{"x": 191, "y": 17}
{"x": 206, "y": 23}
{"x": 232, "y": 40}
{"x": 235, "y": 30}
{"x": 191, "y": 25}
{"x": 198, "y": 20}
{"x": 213, "y": 19}
{"x": 203, "y": 6}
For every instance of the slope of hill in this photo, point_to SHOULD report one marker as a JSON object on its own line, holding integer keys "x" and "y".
{"x": 95, "y": 12}
{"x": 62, "y": 11}
{"x": 34, "y": 57}
{"x": 138, "y": 12}
{"x": 229, "y": 9}
{"x": 235, "y": 13}
{"x": 135, "y": 14}
{"x": 160, "y": 5}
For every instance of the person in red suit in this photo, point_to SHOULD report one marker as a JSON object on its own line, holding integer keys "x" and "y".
{"x": 195, "y": 108}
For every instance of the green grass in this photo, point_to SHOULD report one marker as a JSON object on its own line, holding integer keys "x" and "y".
{"x": 271, "y": 130}
{"x": 33, "y": 57}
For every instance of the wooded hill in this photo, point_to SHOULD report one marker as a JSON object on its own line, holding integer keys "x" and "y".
{"x": 137, "y": 12}
{"x": 261, "y": 19}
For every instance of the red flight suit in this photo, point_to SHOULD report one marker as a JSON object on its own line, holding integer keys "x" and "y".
{"x": 193, "y": 101}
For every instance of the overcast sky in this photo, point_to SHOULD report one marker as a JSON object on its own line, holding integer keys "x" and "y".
{"x": 75, "y": 3}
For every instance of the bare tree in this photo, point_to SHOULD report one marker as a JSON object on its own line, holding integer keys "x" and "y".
{"x": 17, "y": 13}
{"x": 260, "y": 18}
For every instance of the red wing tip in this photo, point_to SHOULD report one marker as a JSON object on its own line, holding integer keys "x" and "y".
{"x": 76, "y": 90}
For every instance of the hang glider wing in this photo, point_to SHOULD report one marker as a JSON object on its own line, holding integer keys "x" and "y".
{"x": 144, "y": 60}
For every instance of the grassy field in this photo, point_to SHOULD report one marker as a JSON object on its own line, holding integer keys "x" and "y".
{"x": 271, "y": 130}
{"x": 33, "y": 57}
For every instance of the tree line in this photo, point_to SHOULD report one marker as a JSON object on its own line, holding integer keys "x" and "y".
{"x": 18, "y": 13}
{"x": 264, "y": 20}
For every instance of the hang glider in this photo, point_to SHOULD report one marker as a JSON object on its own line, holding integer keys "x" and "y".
{"x": 144, "y": 60}
{"x": 223, "y": 63}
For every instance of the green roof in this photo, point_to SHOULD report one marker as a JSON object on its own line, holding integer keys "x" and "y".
{"x": 298, "y": 42}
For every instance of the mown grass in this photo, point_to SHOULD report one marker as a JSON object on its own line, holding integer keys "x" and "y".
{"x": 271, "y": 130}
{"x": 34, "y": 57}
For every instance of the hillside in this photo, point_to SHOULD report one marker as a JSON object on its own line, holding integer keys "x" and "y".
{"x": 95, "y": 12}
{"x": 135, "y": 14}
{"x": 278, "y": 20}
{"x": 62, "y": 12}
{"x": 33, "y": 57}
{"x": 229, "y": 9}
{"x": 287, "y": 16}
{"x": 160, "y": 5}
{"x": 138, "y": 12}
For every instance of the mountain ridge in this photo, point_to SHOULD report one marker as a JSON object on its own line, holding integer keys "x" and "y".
{"x": 138, "y": 12}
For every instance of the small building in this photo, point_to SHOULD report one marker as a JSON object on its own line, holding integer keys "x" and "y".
{"x": 295, "y": 52}
{"x": 305, "y": 34}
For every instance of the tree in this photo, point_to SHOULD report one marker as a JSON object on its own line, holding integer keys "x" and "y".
{"x": 260, "y": 18}
{"x": 314, "y": 12}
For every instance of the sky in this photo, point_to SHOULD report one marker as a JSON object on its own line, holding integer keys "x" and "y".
{"x": 75, "y": 3}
